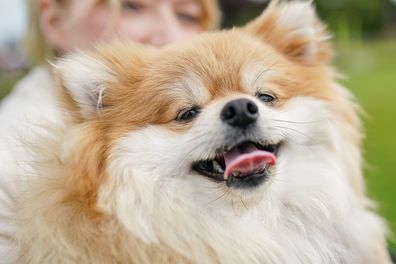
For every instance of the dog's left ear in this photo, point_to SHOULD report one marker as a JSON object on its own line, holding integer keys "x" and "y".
{"x": 294, "y": 29}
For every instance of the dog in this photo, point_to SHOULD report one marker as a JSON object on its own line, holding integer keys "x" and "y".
{"x": 237, "y": 146}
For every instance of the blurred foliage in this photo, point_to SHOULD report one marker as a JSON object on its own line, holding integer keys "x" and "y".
{"x": 370, "y": 69}
{"x": 7, "y": 80}
{"x": 347, "y": 19}
{"x": 356, "y": 18}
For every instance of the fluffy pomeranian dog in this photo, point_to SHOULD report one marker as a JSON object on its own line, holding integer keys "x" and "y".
{"x": 234, "y": 147}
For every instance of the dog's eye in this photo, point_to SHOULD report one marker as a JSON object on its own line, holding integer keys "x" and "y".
{"x": 188, "y": 114}
{"x": 266, "y": 98}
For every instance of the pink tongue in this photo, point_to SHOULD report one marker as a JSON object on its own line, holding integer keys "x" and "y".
{"x": 246, "y": 160}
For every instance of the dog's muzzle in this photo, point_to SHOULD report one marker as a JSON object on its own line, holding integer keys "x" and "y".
{"x": 245, "y": 164}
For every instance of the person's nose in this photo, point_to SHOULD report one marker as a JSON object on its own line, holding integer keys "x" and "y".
{"x": 168, "y": 29}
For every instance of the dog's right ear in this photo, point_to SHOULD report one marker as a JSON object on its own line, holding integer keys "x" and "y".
{"x": 87, "y": 78}
{"x": 83, "y": 79}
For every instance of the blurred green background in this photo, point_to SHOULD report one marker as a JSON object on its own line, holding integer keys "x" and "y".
{"x": 365, "y": 39}
{"x": 371, "y": 70}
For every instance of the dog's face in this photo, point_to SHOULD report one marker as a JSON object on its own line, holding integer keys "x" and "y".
{"x": 234, "y": 117}
{"x": 220, "y": 118}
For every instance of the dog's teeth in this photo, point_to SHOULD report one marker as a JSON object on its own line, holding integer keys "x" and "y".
{"x": 217, "y": 166}
{"x": 236, "y": 174}
{"x": 262, "y": 142}
{"x": 228, "y": 148}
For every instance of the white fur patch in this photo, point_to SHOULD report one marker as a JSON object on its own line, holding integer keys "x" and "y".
{"x": 190, "y": 87}
{"x": 257, "y": 74}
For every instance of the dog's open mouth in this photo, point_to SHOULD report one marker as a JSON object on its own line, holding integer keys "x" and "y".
{"x": 244, "y": 165}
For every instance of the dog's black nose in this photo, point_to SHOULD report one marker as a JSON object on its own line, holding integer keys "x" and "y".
{"x": 240, "y": 113}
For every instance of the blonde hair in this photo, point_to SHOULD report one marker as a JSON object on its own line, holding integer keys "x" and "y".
{"x": 38, "y": 50}
{"x": 36, "y": 47}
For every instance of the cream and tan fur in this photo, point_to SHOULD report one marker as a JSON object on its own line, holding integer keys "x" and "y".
{"x": 115, "y": 185}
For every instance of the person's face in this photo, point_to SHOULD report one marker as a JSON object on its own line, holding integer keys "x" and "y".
{"x": 80, "y": 24}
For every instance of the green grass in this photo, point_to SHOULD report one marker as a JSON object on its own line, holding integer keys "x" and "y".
{"x": 371, "y": 68}
{"x": 7, "y": 80}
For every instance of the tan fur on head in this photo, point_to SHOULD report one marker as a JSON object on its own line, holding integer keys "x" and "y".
{"x": 120, "y": 188}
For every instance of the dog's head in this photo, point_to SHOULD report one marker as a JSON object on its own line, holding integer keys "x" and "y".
{"x": 237, "y": 117}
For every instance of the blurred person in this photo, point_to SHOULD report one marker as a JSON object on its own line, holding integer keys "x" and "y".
{"x": 57, "y": 27}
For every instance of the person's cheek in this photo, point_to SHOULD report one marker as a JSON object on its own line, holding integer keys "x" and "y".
{"x": 100, "y": 26}
{"x": 89, "y": 31}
